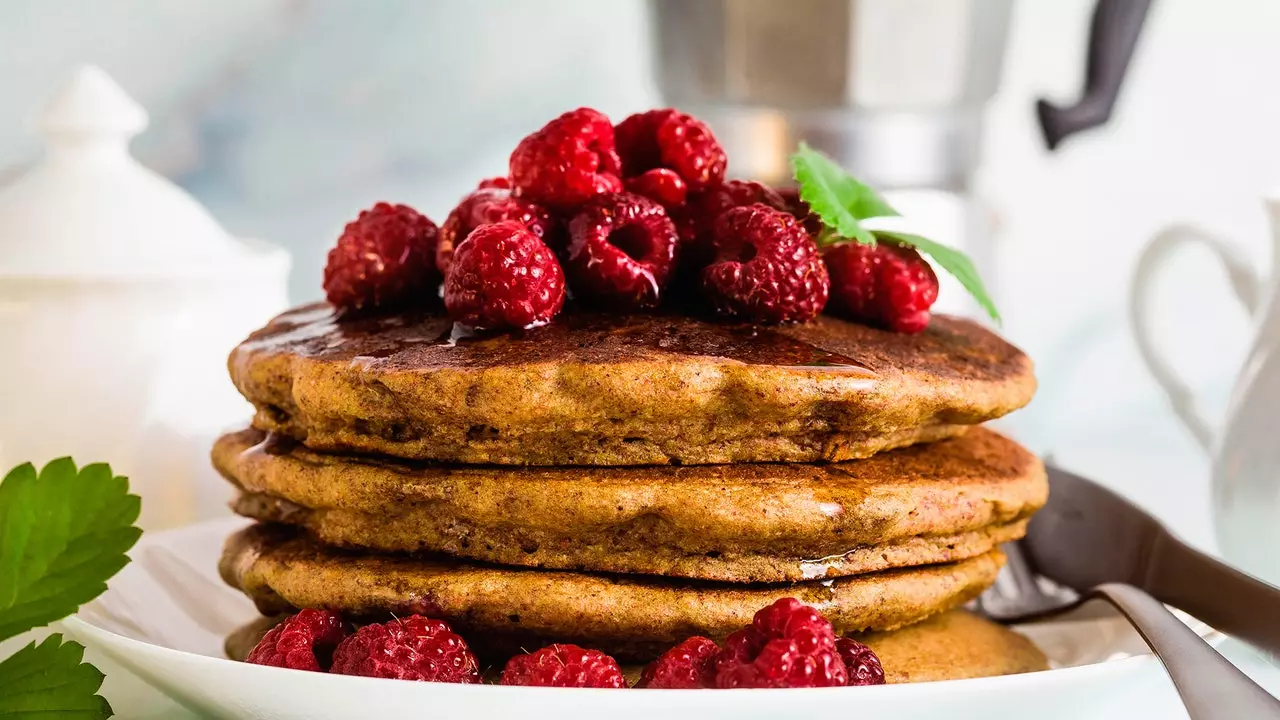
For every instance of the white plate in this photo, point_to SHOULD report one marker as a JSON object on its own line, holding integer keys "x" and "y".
{"x": 166, "y": 615}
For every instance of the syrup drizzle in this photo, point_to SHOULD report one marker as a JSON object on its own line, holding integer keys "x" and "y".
{"x": 425, "y": 340}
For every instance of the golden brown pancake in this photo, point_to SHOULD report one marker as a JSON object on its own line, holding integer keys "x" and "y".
{"x": 623, "y": 390}
{"x": 630, "y": 617}
{"x": 954, "y": 645}
{"x": 921, "y": 505}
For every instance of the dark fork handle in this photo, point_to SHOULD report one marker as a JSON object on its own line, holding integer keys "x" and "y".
{"x": 1211, "y": 687}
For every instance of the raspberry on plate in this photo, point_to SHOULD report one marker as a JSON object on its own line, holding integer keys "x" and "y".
{"x": 787, "y": 645}
{"x": 305, "y": 641}
{"x": 886, "y": 285}
{"x": 411, "y": 648}
{"x": 766, "y": 268}
{"x": 671, "y": 139}
{"x": 861, "y": 662}
{"x": 564, "y": 666}
{"x": 687, "y": 666}
{"x": 622, "y": 248}
{"x": 490, "y": 205}
{"x": 503, "y": 276}
{"x": 384, "y": 258}
{"x": 569, "y": 161}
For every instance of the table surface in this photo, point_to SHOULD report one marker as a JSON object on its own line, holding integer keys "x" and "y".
{"x": 1167, "y": 475}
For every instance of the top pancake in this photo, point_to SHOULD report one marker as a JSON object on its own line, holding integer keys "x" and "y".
{"x": 594, "y": 389}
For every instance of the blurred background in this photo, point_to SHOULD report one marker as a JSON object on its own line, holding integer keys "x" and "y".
{"x": 286, "y": 117}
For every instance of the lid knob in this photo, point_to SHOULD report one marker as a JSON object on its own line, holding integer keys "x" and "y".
{"x": 92, "y": 104}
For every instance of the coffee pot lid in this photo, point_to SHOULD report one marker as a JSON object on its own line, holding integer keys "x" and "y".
{"x": 88, "y": 210}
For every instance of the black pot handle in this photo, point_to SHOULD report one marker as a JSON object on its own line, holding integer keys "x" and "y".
{"x": 1113, "y": 34}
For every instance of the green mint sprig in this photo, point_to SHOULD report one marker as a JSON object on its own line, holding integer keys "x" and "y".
{"x": 63, "y": 533}
{"x": 842, "y": 203}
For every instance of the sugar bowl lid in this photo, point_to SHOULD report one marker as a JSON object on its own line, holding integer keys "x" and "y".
{"x": 88, "y": 210}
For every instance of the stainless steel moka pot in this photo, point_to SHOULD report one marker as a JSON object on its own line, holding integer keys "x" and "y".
{"x": 895, "y": 90}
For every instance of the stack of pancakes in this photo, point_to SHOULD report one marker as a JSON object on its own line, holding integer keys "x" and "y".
{"x": 623, "y": 482}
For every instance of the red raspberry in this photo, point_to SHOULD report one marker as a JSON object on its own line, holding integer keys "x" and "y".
{"x": 503, "y": 276}
{"x": 766, "y": 268}
{"x": 887, "y": 285}
{"x": 564, "y": 666}
{"x": 787, "y": 645}
{"x": 494, "y": 183}
{"x": 800, "y": 209}
{"x": 687, "y": 666}
{"x": 706, "y": 207}
{"x": 660, "y": 185}
{"x": 490, "y": 205}
{"x": 671, "y": 139}
{"x": 303, "y": 642}
{"x": 861, "y": 662}
{"x": 412, "y": 648}
{"x": 567, "y": 162}
{"x": 622, "y": 249}
{"x": 385, "y": 257}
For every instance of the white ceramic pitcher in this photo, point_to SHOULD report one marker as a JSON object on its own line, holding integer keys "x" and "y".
{"x": 1246, "y": 453}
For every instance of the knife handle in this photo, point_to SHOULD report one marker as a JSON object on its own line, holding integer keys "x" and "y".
{"x": 1211, "y": 687}
{"x": 1228, "y": 600}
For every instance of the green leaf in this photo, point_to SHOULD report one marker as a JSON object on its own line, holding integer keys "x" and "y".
{"x": 839, "y": 199}
{"x": 49, "y": 682}
{"x": 63, "y": 533}
{"x": 951, "y": 260}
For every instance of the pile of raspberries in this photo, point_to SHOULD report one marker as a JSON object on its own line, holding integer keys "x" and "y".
{"x": 787, "y": 645}
{"x": 625, "y": 217}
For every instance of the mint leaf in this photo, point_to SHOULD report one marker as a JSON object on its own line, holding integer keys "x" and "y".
{"x": 49, "y": 681}
{"x": 63, "y": 533}
{"x": 954, "y": 262}
{"x": 842, "y": 203}
{"x": 837, "y": 198}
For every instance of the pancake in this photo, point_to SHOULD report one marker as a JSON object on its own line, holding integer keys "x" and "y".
{"x": 622, "y": 390}
{"x": 922, "y": 505}
{"x": 628, "y": 617}
{"x": 954, "y": 645}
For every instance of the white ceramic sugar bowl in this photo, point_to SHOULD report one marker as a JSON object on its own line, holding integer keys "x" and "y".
{"x": 120, "y": 297}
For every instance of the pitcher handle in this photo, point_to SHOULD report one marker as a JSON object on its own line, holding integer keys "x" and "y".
{"x": 1244, "y": 281}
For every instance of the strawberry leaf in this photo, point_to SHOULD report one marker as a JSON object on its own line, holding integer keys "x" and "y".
{"x": 63, "y": 533}
{"x": 50, "y": 681}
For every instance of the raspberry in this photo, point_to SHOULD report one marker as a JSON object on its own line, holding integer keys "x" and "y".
{"x": 622, "y": 249}
{"x": 706, "y": 207}
{"x": 412, "y": 648}
{"x": 788, "y": 644}
{"x": 766, "y": 268}
{"x": 494, "y": 183}
{"x": 490, "y": 205}
{"x": 861, "y": 662}
{"x": 660, "y": 185}
{"x": 687, "y": 666}
{"x": 567, "y": 162}
{"x": 887, "y": 285}
{"x": 303, "y": 642}
{"x": 503, "y": 276}
{"x": 385, "y": 257}
{"x": 800, "y": 208}
{"x": 564, "y": 666}
{"x": 671, "y": 139}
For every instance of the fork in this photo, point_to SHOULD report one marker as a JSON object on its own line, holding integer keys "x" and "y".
{"x": 1211, "y": 687}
